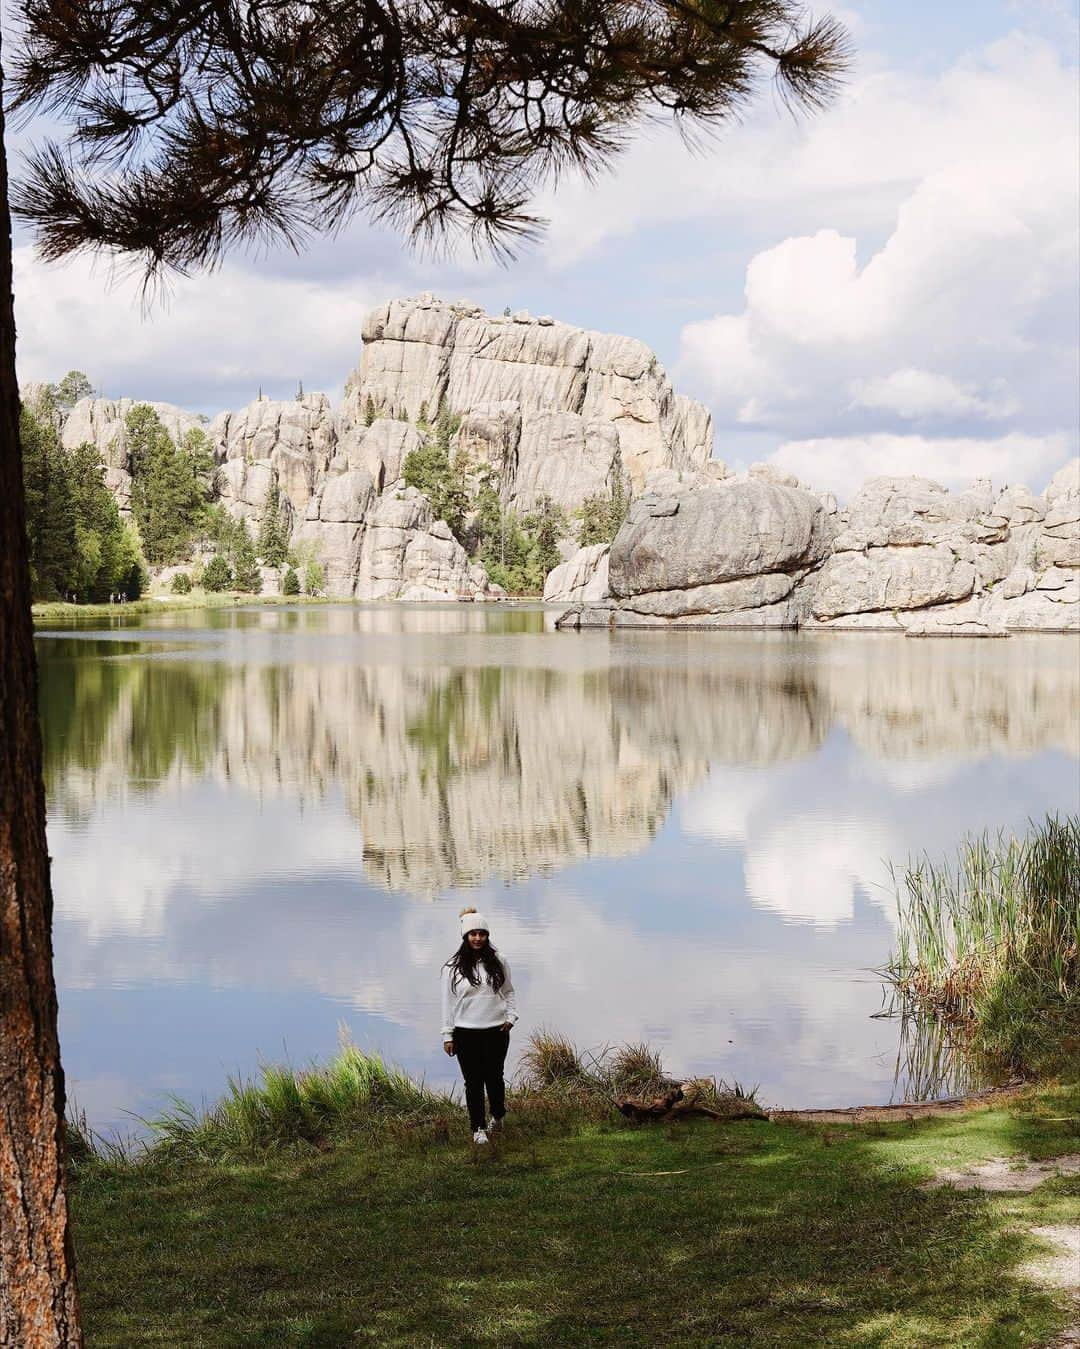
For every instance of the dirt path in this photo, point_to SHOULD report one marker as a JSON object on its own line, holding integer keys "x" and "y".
{"x": 1009, "y": 1175}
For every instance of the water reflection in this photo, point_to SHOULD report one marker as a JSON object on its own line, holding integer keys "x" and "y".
{"x": 683, "y": 835}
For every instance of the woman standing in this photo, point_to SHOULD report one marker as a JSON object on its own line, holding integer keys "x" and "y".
{"x": 478, "y": 1009}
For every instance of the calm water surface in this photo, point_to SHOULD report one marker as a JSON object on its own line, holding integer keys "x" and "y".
{"x": 264, "y": 822}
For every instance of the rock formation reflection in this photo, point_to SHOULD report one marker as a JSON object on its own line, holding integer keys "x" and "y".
{"x": 457, "y": 770}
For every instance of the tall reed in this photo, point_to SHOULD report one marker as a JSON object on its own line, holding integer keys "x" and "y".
{"x": 355, "y": 1093}
{"x": 988, "y": 946}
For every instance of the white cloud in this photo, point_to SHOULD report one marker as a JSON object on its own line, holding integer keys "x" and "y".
{"x": 917, "y": 394}
{"x": 965, "y": 314}
{"x": 226, "y": 332}
{"x": 837, "y": 463}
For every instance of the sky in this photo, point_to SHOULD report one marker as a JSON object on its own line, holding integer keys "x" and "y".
{"x": 890, "y": 286}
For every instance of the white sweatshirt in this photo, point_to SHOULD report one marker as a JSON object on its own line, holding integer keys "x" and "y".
{"x": 477, "y": 1006}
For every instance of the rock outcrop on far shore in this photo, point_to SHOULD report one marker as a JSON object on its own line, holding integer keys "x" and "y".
{"x": 541, "y": 409}
{"x": 904, "y": 555}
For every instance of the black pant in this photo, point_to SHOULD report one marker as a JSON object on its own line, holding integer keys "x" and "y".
{"x": 481, "y": 1055}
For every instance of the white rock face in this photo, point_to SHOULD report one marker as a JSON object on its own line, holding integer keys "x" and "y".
{"x": 583, "y": 578}
{"x": 904, "y": 556}
{"x": 525, "y": 383}
{"x": 291, "y": 442}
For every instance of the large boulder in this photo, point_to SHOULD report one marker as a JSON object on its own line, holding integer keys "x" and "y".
{"x": 904, "y": 556}
{"x": 729, "y": 531}
{"x": 891, "y": 578}
{"x": 407, "y": 554}
{"x": 583, "y": 577}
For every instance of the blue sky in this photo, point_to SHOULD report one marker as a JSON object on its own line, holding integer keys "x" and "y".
{"x": 889, "y": 286}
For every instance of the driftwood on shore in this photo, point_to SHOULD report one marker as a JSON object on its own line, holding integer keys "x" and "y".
{"x": 905, "y": 1110}
{"x": 700, "y": 1098}
{"x": 682, "y": 1100}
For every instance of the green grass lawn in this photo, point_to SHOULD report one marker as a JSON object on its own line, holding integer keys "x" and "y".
{"x": 49, "y": 611}
{"x": 763, "y": 1234}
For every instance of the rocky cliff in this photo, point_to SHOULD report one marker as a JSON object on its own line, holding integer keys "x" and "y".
{"x": 562, "y": 410}
{"x": 549, "y": 409}
{"x": 904, "y": 556}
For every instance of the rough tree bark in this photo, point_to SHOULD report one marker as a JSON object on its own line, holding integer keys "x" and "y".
{"x": 38, "y": 1298}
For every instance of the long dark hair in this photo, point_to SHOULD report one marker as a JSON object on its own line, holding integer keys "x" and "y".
{"x": 463, "y": 965}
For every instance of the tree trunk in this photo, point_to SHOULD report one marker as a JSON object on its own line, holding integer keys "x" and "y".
{"x": 38, "y": 1299}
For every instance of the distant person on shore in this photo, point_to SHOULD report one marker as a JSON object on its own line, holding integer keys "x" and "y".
{"x": 478, "y": 1009}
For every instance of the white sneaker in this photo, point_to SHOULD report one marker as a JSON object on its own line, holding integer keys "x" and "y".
{"x": 480, "y": 1136}
{"x": 496, "y": 1126}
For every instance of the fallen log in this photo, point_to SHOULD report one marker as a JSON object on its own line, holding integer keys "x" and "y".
{"x": 685, "y": 1099}
{"x": 905, "y": 1110}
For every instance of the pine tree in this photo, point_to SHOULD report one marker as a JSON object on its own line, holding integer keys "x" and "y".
{"x": 546, "y": 523}
{"x": 314, "y": 577}
{"x": 169, "y": 484}
{"x": 369, "y": 410}
{"x": 218, "y": 574}
{"x": 291, "y": 583}
{"x": 600, "y": 516}
{"x": 50, "y": 522}
{"x": 246, "y": 573}
{"x": 71, "y": 389}
{"x": 131, "y": 573}
{"x": 101, "y": 557}
{"x": 272, "y": 544}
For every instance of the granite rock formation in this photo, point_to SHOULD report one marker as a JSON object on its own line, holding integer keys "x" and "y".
{"x": 546, "y": 409}
{"x": 904, "y": 556}
{"x": 584, "y": 576}
{"x": 564, "y": 411}
{"x": 549, "y": 409}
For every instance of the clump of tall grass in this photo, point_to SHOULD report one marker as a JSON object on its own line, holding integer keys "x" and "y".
{"x": 356, "y": 1093}
{"x": 86, "y": 1149}
{"x": 553, "y": 1068}
{"x": 989, "y": 946}
{"x": 551, "y": 1060}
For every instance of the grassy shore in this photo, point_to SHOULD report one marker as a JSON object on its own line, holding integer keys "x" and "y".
{"x": 52, "y": 610}
{"x": 381, "y": 1225}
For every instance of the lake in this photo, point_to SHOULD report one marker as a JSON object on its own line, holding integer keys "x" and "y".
{"x": 264, "y": 822}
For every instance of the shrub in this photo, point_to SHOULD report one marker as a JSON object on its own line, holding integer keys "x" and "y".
{"x": 218, "y": 574}
{"x": 314, "y": 578}
{"x": 181, "y": 583}
{"x": 291, "y": 584}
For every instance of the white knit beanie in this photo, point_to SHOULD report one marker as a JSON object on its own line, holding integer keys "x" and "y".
{"x": 471, "y": 920}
